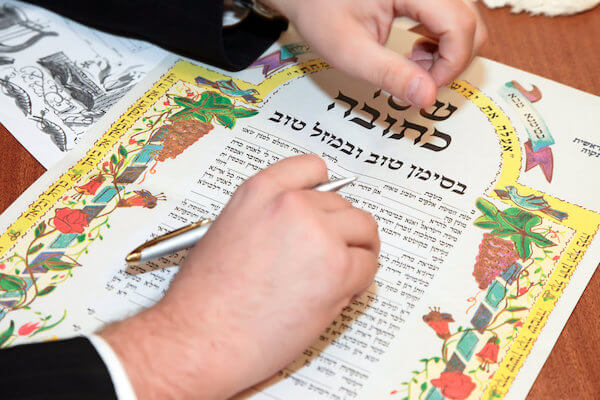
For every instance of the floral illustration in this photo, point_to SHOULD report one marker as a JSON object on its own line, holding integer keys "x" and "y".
{"x": 68, "y": 220}
{"x": 48, "y": 255}
{"x": 516, "y": 256}
{"x": 90, "y": 188}
{"x": 439, "y": 322}
{"x": 454, "y": 385}
{"x": 489, "y": 354}
{"x": 514, "y": 224}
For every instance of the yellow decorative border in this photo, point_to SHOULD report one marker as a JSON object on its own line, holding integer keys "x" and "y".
{"x": 181, "y": 71}
{"x": 585, "y": 223}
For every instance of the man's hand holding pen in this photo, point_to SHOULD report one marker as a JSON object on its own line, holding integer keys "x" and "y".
{"x": 257, "y": 296}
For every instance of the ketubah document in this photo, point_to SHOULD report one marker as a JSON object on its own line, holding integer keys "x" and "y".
{"x": 487, "y": 207}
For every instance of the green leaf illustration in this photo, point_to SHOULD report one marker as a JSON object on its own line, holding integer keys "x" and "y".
{"x": 515, "y": 309}
{"x": 45, "y": 328}
{"x": 113, "y": 159}
{"x": 81, "y": 238}
{"x": 513, "y": 224}
{"x": 226, "y": 120}
{"x": 243, "y": 112}
{"x": 46, "y": 290}
{"x": 123, "y": 151}
{"x": 40, "y": 229}
{"x": 35, "y": 248}
{"x": 209, "y": 106}
{"x": 9, "y": 283}
{"x": 4, "y": 336}
{"x": 56, "y": 264}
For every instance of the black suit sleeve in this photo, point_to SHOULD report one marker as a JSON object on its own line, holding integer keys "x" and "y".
{"x": 193, "y": 28}
{"x": 60, "y": 370}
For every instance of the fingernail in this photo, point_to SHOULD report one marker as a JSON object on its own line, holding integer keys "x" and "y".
{"x": 415, "y": 94}
{"x": 425, "y": 64}
{"x": 421, "y": 55}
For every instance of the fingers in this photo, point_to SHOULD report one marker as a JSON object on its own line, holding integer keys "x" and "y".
{"x": 457, "y": 25}
{"x": 295, "y": 173}
{"x": 357, "y": 228}
{"x": 363, "y": 268}
{"x": 390, "y": 71}
{"x": 481, "y": 33}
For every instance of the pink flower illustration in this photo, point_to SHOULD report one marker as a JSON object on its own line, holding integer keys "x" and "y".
{"x": 28, "y": 328}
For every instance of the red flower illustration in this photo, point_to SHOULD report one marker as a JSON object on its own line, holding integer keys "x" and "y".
{"x": 2, "y": 266}
{"x": 28, "y": 328}
{"x": 132, "y": 141}
{"x": 518, "y": 324}
{"x": 68, "y": 220}
{"x": 454, "y": 385}
{"x": 489, "y": 354}
{"x": 439, "y": 322}
{"x": 92, "y": 186}
{"x": 523, "y": 290}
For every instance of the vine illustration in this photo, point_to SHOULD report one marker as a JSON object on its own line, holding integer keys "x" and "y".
{"x": 37, "y": 267}
{"x": 512, "y": 267}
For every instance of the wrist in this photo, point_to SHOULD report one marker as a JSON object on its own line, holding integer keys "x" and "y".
{"x": 165, "y": 359}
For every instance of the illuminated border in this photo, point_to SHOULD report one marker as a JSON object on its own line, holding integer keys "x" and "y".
{"x": 585, "y": 223}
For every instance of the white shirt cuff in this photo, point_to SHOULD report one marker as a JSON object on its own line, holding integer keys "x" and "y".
{"x": 120, "y": 382}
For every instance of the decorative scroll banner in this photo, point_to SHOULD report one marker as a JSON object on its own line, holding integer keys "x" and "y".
{"x": 536, "y": 128}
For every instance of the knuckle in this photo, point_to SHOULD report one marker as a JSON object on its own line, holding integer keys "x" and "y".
{"x": 316, "y": 162}
{"x": 258, "y": 182}
{"x": 464, "y": 22}
{"x": 339, "y": 260}
{"x": 374, "y": 265}
{"x": 290, "y": 201}
{"x": 368, "y": 222}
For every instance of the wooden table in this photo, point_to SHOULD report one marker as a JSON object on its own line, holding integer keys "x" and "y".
{"x": 564, "y": 49}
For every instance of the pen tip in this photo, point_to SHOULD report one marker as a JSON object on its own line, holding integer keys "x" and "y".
{"x": 133, "y": 258}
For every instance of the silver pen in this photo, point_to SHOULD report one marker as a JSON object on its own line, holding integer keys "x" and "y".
{"x": 187, "y": 236}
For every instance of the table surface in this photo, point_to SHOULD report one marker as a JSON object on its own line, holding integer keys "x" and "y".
{"x": 564, "y": 49}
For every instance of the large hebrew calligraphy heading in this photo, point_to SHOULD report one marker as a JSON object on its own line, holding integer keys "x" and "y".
{"x": 393, "y": 129}
{"x": 341, "y": 145}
